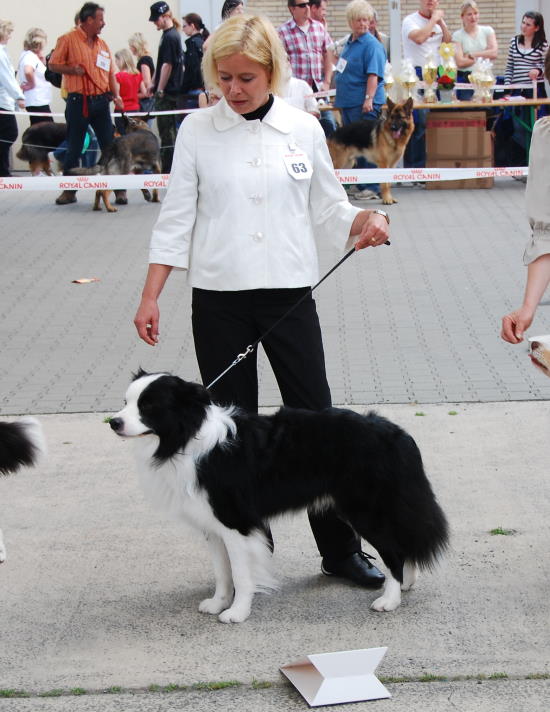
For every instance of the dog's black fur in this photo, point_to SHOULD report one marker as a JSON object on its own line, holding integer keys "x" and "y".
{"x": 37, "y": 141}
{"x": 16, "y": 448}
{"x": 21, "y": 443}
{"x": 369, "y": 467}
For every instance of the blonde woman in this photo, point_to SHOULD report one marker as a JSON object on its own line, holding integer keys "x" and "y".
{"x": 30, "y": 73}
{"x": 473, "y": 40}
{"x": 11, "y": 96}
{"x": 130, "y": 84}
{"x": 252, "y": 187}
{"x": 146, "y": 66}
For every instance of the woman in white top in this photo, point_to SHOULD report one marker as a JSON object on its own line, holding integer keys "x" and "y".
{"x": 473, "y": 40}
{"x": 10, "y": 97}
{"x": 251, "y": 188}
{"x": 32, "y": 66}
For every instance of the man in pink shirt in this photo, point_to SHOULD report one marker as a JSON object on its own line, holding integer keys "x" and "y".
{"x": 308, "y": 46}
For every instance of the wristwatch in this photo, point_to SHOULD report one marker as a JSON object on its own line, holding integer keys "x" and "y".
{"x": 383, "y": 213}
{"x": 160, "y": 92}
{"x": 367, "y": 96}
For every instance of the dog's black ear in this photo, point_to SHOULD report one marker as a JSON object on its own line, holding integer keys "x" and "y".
{"x": 139, "y": 374}
{"x": 174, "y": 410}
{"x": 408, "y": 105}
{"x": 390, "y": 104}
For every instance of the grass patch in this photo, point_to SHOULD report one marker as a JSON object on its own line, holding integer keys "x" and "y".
{"x": 453, "y": 412}
{"x": 538, "y": 676}
{"x": 261, "y": 684}
{"x": 107, "y": 419}
{"x": 14, "y": 693}
{"x": 115, "y": 690}
{"x": 222, "y": 685}
{"x": 500, "y": 531}
{"x": 51, "y": 693}
{"x": 420, "y": 413}
{"x": 78, "y": 691}
{"x": 428, "y": 677}
{"x": 498, "y": 676}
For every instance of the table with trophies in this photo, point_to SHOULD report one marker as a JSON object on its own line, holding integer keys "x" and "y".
{"x": 438, "y": 88}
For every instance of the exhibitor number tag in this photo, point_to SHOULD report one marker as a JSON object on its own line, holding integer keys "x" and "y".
{"x": 298, "y": 165}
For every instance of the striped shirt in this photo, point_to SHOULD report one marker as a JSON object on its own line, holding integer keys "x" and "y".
{"x": 306, "y": 50}
{"x": 520, "y": 62}
{"x": 73, "y": 49}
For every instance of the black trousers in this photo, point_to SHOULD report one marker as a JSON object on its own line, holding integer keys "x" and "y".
{"x": 44, "y": 109}
{"x": 8, "y": 134}
{"x": 224, "y": 323}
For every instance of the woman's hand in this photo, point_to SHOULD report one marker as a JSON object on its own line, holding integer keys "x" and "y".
{"x": 534, "y": 74}
{"x": 147, "y": 321}
{"x": 372, "y": 228}
{"x": 515, "y": 324}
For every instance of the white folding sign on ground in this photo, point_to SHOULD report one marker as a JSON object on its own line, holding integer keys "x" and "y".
{"x": 333, "y": 678}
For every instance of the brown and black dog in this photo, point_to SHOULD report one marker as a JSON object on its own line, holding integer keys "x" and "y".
{"x": 381, "y": 141}
{"x": 137, "y": 151}
{"x": 37, "y": 141}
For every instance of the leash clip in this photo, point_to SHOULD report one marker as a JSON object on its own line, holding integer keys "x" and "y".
{"x": 240, "y": 357}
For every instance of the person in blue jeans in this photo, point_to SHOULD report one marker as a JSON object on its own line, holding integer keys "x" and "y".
{"x": 360, "y": 78}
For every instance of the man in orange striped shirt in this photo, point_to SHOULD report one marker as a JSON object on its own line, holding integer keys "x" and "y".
{"x": 89, "y": 78}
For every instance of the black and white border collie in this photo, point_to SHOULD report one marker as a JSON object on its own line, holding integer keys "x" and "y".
{"x": 228, "y": 472}
{"x": 21, "y": 444}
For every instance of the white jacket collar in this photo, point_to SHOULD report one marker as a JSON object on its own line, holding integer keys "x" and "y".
{"x": 277, "y": 117}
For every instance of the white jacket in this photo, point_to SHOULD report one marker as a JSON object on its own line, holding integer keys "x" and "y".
{"x": 233, "y": 215}
{"x": 10, "y": 90}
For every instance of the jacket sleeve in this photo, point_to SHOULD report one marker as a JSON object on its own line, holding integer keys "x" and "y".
{"x": 7, "y": 77}
{"x": 331, "y": 213}
{"x": 537, "y": 194}
{"x": 171, "y": 238}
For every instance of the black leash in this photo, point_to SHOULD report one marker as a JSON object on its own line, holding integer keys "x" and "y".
{"x": 250, "y": 348}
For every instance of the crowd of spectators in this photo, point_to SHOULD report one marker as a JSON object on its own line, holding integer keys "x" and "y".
{"x": 353, "y": 65}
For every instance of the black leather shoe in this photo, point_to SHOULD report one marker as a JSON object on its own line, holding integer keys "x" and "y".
{"x": 120, "y": 197}
{"x": 356, "y": 568}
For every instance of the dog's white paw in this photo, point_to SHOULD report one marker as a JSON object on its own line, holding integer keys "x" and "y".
{"x": 385, "y": 603}
{"x": 214, "y": 605}
{"x": 234, "y": 615}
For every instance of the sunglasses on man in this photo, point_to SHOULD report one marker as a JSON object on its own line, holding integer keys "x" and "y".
{"x": 302, "y": 4}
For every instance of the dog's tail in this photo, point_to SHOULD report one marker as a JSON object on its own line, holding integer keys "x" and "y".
{"x": 22, "y": 443}
{"x": 424, "y": 530}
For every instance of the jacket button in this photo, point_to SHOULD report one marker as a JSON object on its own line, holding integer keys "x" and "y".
{"x": 256, "y": 162}
{"x": 256, "y": 198}
{"x": 257, "y": 236}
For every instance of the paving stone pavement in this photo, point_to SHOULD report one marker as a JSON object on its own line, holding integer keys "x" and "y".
{"x": 414, "y": 322}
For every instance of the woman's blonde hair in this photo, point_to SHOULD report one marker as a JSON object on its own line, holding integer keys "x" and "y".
{"x": 257, "y": 39}
{"x": 35, "y": 39}
{"x": 138, "y": 42}
{"x": 357, "y": 9}
{"x": 125, "y": 61}
{"x": 467, "y": 5}
{"x": 6, "y": 28}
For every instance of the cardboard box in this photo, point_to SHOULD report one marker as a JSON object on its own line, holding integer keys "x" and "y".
{"x": 458, "y": 139}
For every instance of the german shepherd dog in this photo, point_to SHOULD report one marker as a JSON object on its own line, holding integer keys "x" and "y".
{"x": 137, "y": 151}
{"x": 37, "y": 141}
{"x": 381, "y": 141}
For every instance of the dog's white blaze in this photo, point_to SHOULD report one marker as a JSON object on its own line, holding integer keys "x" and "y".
{"x": 130, "y": 413}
